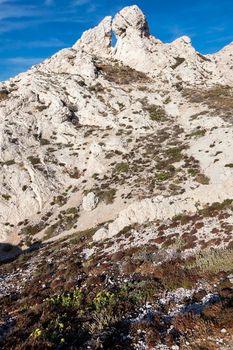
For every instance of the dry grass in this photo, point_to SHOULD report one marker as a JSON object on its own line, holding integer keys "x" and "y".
{"x": 213, "y": 261}
{"x": 218, "y": 98}
{"x": 120, "y": 74}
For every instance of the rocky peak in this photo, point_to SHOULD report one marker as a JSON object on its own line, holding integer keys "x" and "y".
{"x": 136, "y": 48}
{"x": 129, "y": 22}
{"x": 98, "y": 40}
{"x": 184, "y": 40}
{"x": 130, "y": 19}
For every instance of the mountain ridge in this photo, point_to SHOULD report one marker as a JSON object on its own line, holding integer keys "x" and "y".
{"x": 116, "y": 196}
{"x": 72, "y": 90}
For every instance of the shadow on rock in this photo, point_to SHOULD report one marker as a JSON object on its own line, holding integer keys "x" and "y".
{"x": 9, "y": 252}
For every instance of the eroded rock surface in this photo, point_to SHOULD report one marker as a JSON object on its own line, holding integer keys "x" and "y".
{"x": 144, "y": 126}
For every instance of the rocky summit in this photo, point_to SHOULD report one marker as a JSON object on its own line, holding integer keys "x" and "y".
{"x": 116, "y": 197}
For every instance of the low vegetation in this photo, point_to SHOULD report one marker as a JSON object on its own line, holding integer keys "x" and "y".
{"x": 120, "y": 74}
{"x": 156, "y": 113}
{"x": 4, "y": 94}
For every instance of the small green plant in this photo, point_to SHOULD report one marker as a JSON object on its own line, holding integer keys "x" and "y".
{"x": 168, "y": 100}
{"x": 104, "y": 299}
{"x": 68, "y": 300}
{"x": 198, "y": 205}
{"x": 226, "y": 204}
{"x": 182, "y": 217}
{"x": 7, "y": 197}
{"x": 175, "y": 153}
{"x": 198, "y": 133}
{"x": 164, "y": 176}
{"x": 193, "y": 172}
{"x": 31, "y": 230}
{"x": 37, "y": 333}
{"x": 121, "y": 168}
{"x": 108, "y": 195}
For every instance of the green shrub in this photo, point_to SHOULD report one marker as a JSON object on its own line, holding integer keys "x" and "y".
{"x": 107, "y": 196}
{"x": 174, "y": 153}
{"x": 104, "y": 299}
{"x": 156, "y": 113}
{"x": 34, "y": 160}
{"x": 67, "y": 300}
{"x": 198, "y": 133}
{"x": 164, "y": 176}
{"x": 7, "y": 197}
{"x": 121, "y": 168}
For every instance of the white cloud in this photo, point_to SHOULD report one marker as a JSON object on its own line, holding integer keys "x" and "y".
{"x": 43, "y": 43}
{"x": 18, "y": 44}
{"x": 8, "y": 11}
{"x": 23, "y": 61}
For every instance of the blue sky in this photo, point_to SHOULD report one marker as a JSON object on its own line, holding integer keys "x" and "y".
{"x": 31, "y": 30}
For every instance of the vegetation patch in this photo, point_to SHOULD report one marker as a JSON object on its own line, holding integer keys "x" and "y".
{"x": 34, "y": 160}
{"x": 230, "y": 165}
{"x": 198, "y": 133}
{"x": 4, "y": 94}
{"x": 121, "y": 168}
{"x": 213, "y": 261}
{"x": 120, "y": 74}
{"x": 156, "y": 113}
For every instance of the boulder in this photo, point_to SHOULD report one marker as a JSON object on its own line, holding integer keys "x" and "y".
{"x": 100, "y": 235}
{"x": 90, "y": 201}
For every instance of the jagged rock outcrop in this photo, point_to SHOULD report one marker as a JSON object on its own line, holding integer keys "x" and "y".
{"x": 140, "y": 50}
{"x": 130, "y": 20}
{"x": 98, "y": 40}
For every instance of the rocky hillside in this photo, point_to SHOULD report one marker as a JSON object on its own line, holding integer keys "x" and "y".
{"x": 116, "y": 195}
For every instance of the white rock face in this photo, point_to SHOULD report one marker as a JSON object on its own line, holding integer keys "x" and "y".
{"x": 98, "y": 40}
{"x": 90, "y": 202}
{"x": 87, "y": 119}
{"x": 138, "y": 49}
{"x": 130, "y": 19}
{"x": 70, "y": 61}
{"x": 134, "y": 44}
{"x": 101, "y": 235}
